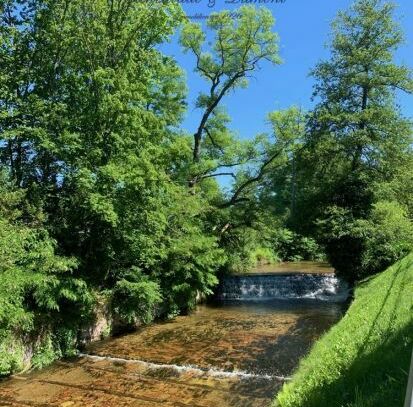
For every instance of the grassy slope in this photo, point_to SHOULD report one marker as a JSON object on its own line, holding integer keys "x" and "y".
{"x": 363, "y": 361}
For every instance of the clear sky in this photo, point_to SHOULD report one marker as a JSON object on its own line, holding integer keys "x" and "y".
{"x": 303, "y": 27}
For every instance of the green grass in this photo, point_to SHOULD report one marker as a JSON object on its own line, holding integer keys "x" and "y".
{"x": 363, "y": 361}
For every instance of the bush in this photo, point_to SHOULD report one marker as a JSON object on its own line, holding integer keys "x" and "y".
{"x": 292, "y": 246}
{"x": 45, "y": 353}
{"x": 389, "y": 236}
{"x": 11, "y": 354}
{"x": 263, "y": 255}
{"x": 37, "y": 287}
{"x": 189, "y": 270}
{"x": 360, "y": 247}
{"x": 343, "y": 237}
{"x": 135, "y": 298}
{"x": 245, "y": 248}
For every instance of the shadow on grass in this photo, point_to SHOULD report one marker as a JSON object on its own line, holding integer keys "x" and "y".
{"x": 378, "y": 378}
{"x": 378, "y": 375}
{"x": 390, "y": 291}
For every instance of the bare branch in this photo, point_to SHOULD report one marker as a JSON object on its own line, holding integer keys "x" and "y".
{"x": 236, "y": 196}
{"x": 218, "y": 174}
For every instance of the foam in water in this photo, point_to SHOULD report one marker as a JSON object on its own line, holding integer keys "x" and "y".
{"x": 322, "y": 287}
{"x": 187, "y": 368}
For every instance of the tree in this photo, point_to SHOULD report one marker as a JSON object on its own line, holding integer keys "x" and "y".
{"x": 357, "y": 136}
{"x": 38, "y": 289}
{"x": 357, "y": 87}
{"x": 253, "y": 215}
{"x": 87, "y": 121}
{"x": 240, "y": 45}
{"x": 281, "y": 186}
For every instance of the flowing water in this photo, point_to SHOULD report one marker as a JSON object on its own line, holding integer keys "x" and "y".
{"x": 233, "y": 353}
{"x": 322, "y": 287}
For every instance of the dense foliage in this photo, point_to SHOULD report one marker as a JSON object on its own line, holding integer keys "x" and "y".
{"x": 357, "y": 120}
{"x": 97, "y": 180}
{"x": 89, "y": 148}
{"x": 103, "y": 194}
{"x": 37, "y": 287}
{"x": 356, "y": 149}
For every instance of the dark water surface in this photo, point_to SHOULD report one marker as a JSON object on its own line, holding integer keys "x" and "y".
{"x": 229, "y": 354}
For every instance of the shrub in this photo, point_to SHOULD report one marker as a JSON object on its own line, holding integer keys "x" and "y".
{"x": 292, "y": 246}
{"x": 189, "y": 270}
{"x": 263, "y": 255}
{"x": 361, "y": 247}
{"x": 11, "y": 354}
{"x": 45, "y": 353}
{"x": 135, "y": 298}
{"x": 343, "y": 237}
{"x": 37, "y": 287}
{"x": 389, "y": 236}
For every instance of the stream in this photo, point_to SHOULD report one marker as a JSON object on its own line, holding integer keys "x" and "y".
{"x": 235, "y": 352}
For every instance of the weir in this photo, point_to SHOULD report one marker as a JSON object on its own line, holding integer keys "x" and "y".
{"x": 291, "y": 286}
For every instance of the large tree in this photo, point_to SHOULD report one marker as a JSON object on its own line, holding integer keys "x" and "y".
{"x": 88, "y": 110}
{"x": 240, "y": 44}
{"x": 357, "y": 138}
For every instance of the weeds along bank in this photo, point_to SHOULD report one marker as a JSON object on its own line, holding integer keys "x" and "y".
{"x": 364, "y": 360}
{"x": 48, "y": 341}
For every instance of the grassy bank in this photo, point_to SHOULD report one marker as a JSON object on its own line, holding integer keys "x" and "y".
{"x": 363, "y": 361}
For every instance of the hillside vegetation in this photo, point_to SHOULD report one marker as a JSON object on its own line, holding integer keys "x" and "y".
{"x": 363, "y": 360}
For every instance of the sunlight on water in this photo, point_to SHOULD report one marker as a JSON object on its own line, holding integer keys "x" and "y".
{"x": 228, "y": 354}
{"x": 189, "y": 369}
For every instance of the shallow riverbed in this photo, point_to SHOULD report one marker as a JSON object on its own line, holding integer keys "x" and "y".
{"x": 228, "y": 354}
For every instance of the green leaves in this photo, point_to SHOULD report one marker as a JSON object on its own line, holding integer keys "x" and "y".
{"x": 239, "y": 45}
{"x": 356, "y": 140}
{"x": 135, "y": 297}
{"x": 34, "y": 280}
{"x": 192, "y": 37}
{"x": 88, "y": 114}
{"x": 389, "y": 235}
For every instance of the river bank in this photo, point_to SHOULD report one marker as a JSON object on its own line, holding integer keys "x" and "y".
{"x": 233, "y": 354}
{"x": 363, "y": 361}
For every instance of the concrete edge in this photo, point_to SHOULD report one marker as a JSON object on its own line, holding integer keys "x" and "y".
{"x": 409, "y": 390}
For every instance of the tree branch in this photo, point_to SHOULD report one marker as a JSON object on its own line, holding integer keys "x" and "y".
{"x": 236, "y": 198}
{"x": 219, "y": 174}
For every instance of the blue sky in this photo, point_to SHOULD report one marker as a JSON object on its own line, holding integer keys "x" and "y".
{"x": 304, "y": 28}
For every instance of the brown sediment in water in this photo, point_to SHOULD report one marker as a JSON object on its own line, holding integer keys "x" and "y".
{"x": 266, "y": 339}
{"x": 305, "y": 267}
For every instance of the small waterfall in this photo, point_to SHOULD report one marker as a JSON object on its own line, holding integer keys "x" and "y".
{"x": 324, "y": 287}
